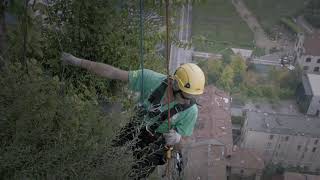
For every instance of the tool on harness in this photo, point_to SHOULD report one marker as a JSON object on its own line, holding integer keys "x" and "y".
{"x": 169, "y": 152}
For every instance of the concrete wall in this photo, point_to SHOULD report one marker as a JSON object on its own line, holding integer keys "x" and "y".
{"x": 309, "y": 65}
{"x": 301, "y": 57}
{"x": 288, "y": 150}
{"x": 314, "y": 106}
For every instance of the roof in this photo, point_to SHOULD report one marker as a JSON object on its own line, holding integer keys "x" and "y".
{"x": 214, "y": 121}
{"x": 205, "y": 162}
{"x": 312, "y": 44}
{"x": 206, "y": 151}
{"x": 242, "y": 52}
{"x": 314, "y": 80}
{"x": 297, "y": 176}
{"x": 283, "y": 124}
{"x": 212, "y": 137}
{"x": 246, "y": 159}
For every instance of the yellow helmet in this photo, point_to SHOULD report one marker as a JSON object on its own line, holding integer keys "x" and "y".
{"x": 190, "y": 78}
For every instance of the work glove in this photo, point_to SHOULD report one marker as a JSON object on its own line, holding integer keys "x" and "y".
{"x": 69, "y": 59}
{"x": 172, "y": 137}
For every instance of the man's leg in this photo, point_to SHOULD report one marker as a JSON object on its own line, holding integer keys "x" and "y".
{"x": 148, "y": 158}
{"x": 128, "y": 132}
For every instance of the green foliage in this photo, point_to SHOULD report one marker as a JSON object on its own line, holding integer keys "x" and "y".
{"x": 51, "y": 124}
{"x": 239, "y": 67}
{"x": 312, "y": 13}
{"x": 216, "y": 26}
{"x": 258, "y": 52}
{"x": 271, "y": 170}
{"x": 270, "y": 12}
{"x": 104, "y": 31}
{"x": 226, "y": 79}
{"x": 241, "y": 82}
{"x": 237, "y": 120}
{"x": 212, "y": 70}
{"x": 47, "y": 134}
{"x": 291, "y": 25}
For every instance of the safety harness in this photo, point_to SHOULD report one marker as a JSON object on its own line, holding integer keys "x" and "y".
{"x": 155, "y": 99}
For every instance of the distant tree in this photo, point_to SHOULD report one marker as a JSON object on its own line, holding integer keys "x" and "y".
{"x": 212, "y": 69}
{"x": 239, "y": 67}
{"x": 226, "y": 79}
{"x": 226, "y": 57}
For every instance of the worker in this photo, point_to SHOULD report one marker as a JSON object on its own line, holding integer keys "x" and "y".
{"x": 154, "y": 135}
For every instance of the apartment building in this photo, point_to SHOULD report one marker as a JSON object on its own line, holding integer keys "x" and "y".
{"x": 307, "y": 52}
{"x": 308, "y": 94}
{"x": 298, "y": 176}
{"x": 292, "y": 140}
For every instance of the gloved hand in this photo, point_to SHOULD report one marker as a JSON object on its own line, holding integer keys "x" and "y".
{"x": 70, "y": 59}
{"x": 172, "y": 137}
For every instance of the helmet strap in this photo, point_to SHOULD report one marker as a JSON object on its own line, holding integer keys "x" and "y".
{"x": 183, "y": 97}
{"x": 175, "y": 86}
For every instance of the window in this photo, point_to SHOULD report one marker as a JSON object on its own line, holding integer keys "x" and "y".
{"x": 302, "y": 156}
{"x": 318, "y": 61}
{"x": 316, "y": 69}
{"x": 228, "y": 169}
{"x": 287, "y": 138}
{"x": 314, "y": 149}
{"x": 279, "y": 146}
{"x": 308, "y": 59}
{"x": 316, "y": 141}
{"x": 299, "y": 147}
{"x": 271, "y": 137}
{"x": 305, "y": 149}
{"x": 305, "y": 68}
{"x": 269, "y": 145}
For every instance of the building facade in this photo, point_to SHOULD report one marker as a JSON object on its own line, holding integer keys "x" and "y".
{"x": 289, "y": 140}
{"x": 298, "y": 176}
{"x": 308, "y": 94}
{"x": 307, "y": 52}
{"x": 209, "y": 153}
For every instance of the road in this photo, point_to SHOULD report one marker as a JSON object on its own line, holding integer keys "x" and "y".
{"x": 180, "y": 55}
{"x": 265, "y": 62}
{"x": 261, "y": 40}
{"x": 206, "y": 55}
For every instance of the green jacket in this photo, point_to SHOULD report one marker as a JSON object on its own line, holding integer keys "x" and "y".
{"x": 183, "y": 122}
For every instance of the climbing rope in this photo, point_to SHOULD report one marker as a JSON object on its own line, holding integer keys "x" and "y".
{"x": 168, "y": 59}
{"x": 141, "y": 51}
{"x": 169, "y": 149}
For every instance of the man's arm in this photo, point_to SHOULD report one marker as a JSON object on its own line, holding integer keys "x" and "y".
{"x": 103, "y": 70}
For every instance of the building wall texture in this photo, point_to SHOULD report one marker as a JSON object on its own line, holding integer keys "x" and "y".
{"x": 314, "y": 107}
{"x": 289, "y": 150}
{"x": 309, "y": 63}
